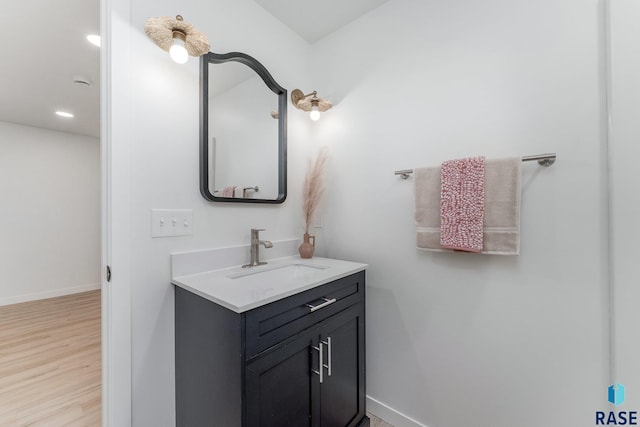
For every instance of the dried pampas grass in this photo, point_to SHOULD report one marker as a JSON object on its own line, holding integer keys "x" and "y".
{"x": 314, "y": 187}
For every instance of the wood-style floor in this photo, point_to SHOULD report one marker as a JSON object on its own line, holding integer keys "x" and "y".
{"x": 377, "y": 422}
{"x": 50, "y": 362}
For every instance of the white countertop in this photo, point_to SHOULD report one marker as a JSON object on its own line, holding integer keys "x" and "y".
{"x": 242, "y": 289}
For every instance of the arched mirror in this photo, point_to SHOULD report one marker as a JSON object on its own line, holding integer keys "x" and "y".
{"x": 243, "y": 131}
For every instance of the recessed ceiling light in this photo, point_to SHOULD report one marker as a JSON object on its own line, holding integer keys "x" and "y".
{"x": 64, "y": 114}
{"x": 94, "y": 39}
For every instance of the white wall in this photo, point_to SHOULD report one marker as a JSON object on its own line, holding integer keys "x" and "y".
{"x": 160, "y": 137}
{"x": 50, "y": 213}
{"x": 625, "y": 110}
{"x": 453, "y": 339}
{"x": 462, "y": 339}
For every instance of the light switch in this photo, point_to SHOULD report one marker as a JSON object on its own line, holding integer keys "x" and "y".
{"x": 318, "y": 219}
{"x": 171, "y": 222}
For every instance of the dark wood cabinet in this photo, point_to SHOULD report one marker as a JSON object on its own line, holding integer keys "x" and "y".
{"x": 342, "y": 390}
{"x": 280, "y": 390}
{"x": 285, "y": 364}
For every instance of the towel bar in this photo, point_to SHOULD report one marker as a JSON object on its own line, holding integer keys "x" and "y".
{"x": 545, "y": 160}
{"x": 256, "y": 189}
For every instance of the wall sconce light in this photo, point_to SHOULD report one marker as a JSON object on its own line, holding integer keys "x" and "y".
{"x": 177, "y": 37}
{"x": 310, "y": 102}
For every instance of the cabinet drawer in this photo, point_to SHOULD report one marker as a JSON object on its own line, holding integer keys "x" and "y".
{"x": 268, "y": 325}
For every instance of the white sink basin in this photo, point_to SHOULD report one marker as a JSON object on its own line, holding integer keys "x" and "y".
{"x": 270, "y": 273}
{"x": 242, "y": 289}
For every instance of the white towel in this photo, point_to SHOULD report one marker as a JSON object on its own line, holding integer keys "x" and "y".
{"x": 501, "y": 223}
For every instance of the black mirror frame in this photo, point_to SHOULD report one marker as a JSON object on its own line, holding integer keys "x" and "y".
{"x": 215, "y": 58}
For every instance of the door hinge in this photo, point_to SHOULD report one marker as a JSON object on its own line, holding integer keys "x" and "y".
{"x": 108, "y": 273}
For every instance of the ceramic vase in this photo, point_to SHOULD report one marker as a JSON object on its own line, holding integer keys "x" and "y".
{"x": 308, "y": 246}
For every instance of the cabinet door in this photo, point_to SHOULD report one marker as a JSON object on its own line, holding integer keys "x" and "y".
{"x": 342, "y": 395}
{"x": 281, "y": 388}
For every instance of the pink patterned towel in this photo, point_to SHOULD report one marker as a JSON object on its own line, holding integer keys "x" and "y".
{"x": 229, "y": 191}
{"x": 462, "y": 204}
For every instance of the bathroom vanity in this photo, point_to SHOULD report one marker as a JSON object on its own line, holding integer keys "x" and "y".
{"x": 280, "y": 345}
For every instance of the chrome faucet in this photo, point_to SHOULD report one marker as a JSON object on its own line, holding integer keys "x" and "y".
{"x": 255, "y": 247}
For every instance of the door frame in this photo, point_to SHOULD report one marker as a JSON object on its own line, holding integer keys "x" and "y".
{"x": 115, "y": 166}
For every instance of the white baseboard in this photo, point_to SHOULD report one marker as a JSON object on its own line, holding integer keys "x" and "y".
{"x": 390, "y": 415}
{"x": 49, "y": 294}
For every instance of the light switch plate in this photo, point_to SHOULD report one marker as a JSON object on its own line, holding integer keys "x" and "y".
{"x": 318, "y": 219}
{"x": 171, "y": 222}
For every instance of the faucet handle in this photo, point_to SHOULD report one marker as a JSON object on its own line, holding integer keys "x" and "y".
{"x": 255, "y": 232}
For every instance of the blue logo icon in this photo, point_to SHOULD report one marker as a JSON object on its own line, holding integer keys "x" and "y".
{"x": 616, "y": 394}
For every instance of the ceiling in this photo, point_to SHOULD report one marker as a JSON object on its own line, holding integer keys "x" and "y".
{"x": 314, "y": 19}
{"x": 44, "y": 49}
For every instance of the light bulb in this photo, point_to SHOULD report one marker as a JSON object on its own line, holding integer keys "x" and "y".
{"x": 314, "y": 114}
{"x": 64, "y": 114}
{"x": 178, "y": 52}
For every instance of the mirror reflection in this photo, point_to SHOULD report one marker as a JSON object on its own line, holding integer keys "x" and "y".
{"x": 243, "y": 133}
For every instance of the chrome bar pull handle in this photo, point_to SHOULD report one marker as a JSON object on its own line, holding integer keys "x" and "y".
{"x": 319, "y": 372}
{"x": 328, "y": 344}
{"x": 326, "y": 302}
